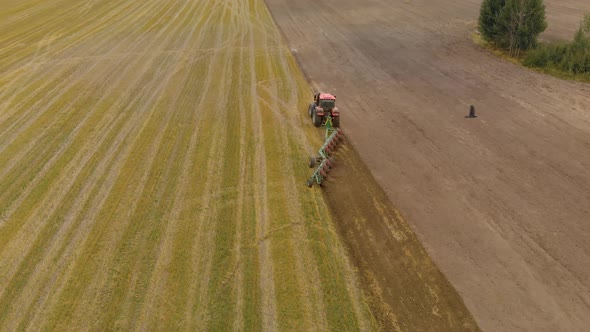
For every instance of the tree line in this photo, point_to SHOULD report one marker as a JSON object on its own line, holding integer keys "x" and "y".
{"x": 514, "y": 26}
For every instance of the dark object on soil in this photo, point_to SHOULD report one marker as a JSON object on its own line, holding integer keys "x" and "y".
{"x": 471, "y": 112}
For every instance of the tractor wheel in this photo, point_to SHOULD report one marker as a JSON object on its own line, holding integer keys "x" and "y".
{"x": 312, "y": 162}
{"x": 310, "y": 109}
{"x": 310, "y": 183}
{"x": 317, "y": 120}
{"x": 336, "y": 121}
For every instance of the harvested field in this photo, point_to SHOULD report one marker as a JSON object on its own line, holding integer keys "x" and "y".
{"x": 152, "y": 173}
{"x": 500, "y": 202}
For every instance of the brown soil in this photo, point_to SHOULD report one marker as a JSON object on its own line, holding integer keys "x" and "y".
{"x": 500, "y": 202}
{"x": 406, "y": 290}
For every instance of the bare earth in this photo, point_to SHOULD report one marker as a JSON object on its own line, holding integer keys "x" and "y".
{"x": 501, "y": 202}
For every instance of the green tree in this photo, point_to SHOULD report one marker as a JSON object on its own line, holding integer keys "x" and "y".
{"x": 582, "y": 36}
{"x": 512, "y": 24}
{"x": 488, "y": 18}
{"x": 519, "y": 24}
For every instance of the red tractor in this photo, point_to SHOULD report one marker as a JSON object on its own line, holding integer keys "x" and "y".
{"x": 324, "y": 107}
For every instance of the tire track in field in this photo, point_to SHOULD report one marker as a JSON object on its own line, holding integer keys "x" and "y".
{"x": 80, "y": 238}
{"x": 159, "y": 275}
{"x": 138, "y": 194}
{"x": 211, "y": 188}
{"x": 267, "y": 287}
{"x": 38, "y": 137}
{"x": 42, "y": 7}
{"x": 205, "y": 92}
{"x": 84, "y": 191}
{"x": 10, "y": 10}
{"x": 91, "y": 295}
{"x": 63, "y": 252}
{"x": 32, "y": 29}
{"x": 280, "y": 132}
{"x": 83, "y": 27}
{"x": 90, "y": 29}
{"x": 146, "y": 67}
{"x": 58, "y": 89}
{"x": 300, "y": 136}
{"x": 7, "y": 122}
{"x": 115, "y": 71}
{"x": 294, "y": 120}
{"x": 37, "y": 37}
{"x": 309, "y": 279}
{"x": 47, "y": 166}
{"x": 238, "y": 324}
{"x": 223, "y": 235}
{"x": 352, "y": 286}
{"x": 70, "y": 267}
{"x": 239, "y": 300}
{"x": 66, "y": 223}
{"x": 5, "y": 92}
{"x": 206, "y": 236}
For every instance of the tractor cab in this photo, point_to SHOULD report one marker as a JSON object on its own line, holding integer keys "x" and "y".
{"x": 324, "y": 108}
{"x": 325, "y": 101}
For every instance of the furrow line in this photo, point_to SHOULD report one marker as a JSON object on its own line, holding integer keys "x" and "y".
{"x": 99, "y": 278}
{"x": 54, "y": 156}
{"x": 87, "y": 26}
{"x": 267, "y": 287}
{"x": 71, "y": 176}
{"x": 22, "y": 152}
{"x": 131, "y": 292}
{"x": 85, "y": 158}
{"x": 310, "y": 288}
{"x": 207, "y": 235}
{"x": 55, "y": 94}
{"x": 40, "y": 71}
{"x": 119, "y": 153}
{"x": 158, "y": 277}
{"x": 239, "y": 265}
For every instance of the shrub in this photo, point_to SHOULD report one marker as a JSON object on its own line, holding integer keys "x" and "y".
{"x": 539, "y": 57}
{"x": 488, "y": 16}
{"x": 512, "y": 24}
{"x": 571, "y": 57}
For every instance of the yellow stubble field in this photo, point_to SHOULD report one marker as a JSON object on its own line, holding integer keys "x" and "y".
{"x": 152, "y": 170}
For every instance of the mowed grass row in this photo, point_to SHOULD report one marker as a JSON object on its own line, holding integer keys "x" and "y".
{"x": 152, "y": 169}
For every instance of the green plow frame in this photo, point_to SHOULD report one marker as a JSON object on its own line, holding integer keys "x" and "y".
{"x": 324, "y": 160}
